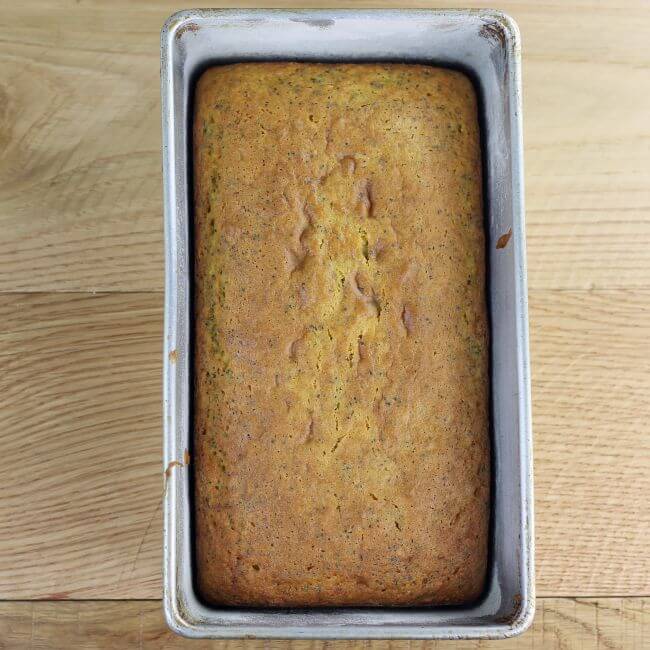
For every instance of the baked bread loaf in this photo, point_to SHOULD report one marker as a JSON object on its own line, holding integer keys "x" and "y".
{"x": 341, "y": 348}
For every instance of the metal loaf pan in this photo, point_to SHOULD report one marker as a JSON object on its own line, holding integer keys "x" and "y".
{"x": 486, "y": 45}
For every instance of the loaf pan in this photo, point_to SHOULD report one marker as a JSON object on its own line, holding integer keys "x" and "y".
{"x": 486, "y": 45}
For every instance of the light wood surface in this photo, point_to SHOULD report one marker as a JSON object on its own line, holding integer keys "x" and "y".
{"x": 80, "y": 185}
{"x": 560, "y": 624}
{"x": 80, "y": 394}
{"x": 81, "y": 275}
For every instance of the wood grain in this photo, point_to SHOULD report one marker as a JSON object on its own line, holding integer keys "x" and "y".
{"x": 80, "y": 211}
{"x": 591, "y": 408}
{"x": 560, "y": 624}
{"x": 80, "y": 191}
{"x": 80, "y": 398}
{"x": 81, "y": 445}
{"x": 587, "y": 143}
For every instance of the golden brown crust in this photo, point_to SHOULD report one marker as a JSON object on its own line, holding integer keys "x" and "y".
{"x": 341, "y": 355}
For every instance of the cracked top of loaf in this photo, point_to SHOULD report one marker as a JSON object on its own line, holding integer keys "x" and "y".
{"x": 341, "y": 353}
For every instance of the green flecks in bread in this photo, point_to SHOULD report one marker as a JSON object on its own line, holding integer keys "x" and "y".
{"x": 341, "y": 349}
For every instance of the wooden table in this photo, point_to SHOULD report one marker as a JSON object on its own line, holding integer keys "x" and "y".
{"x": 81, "y": 281}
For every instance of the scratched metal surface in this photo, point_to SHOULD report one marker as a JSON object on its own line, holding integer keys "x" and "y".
{"x": 486, "y": 44}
